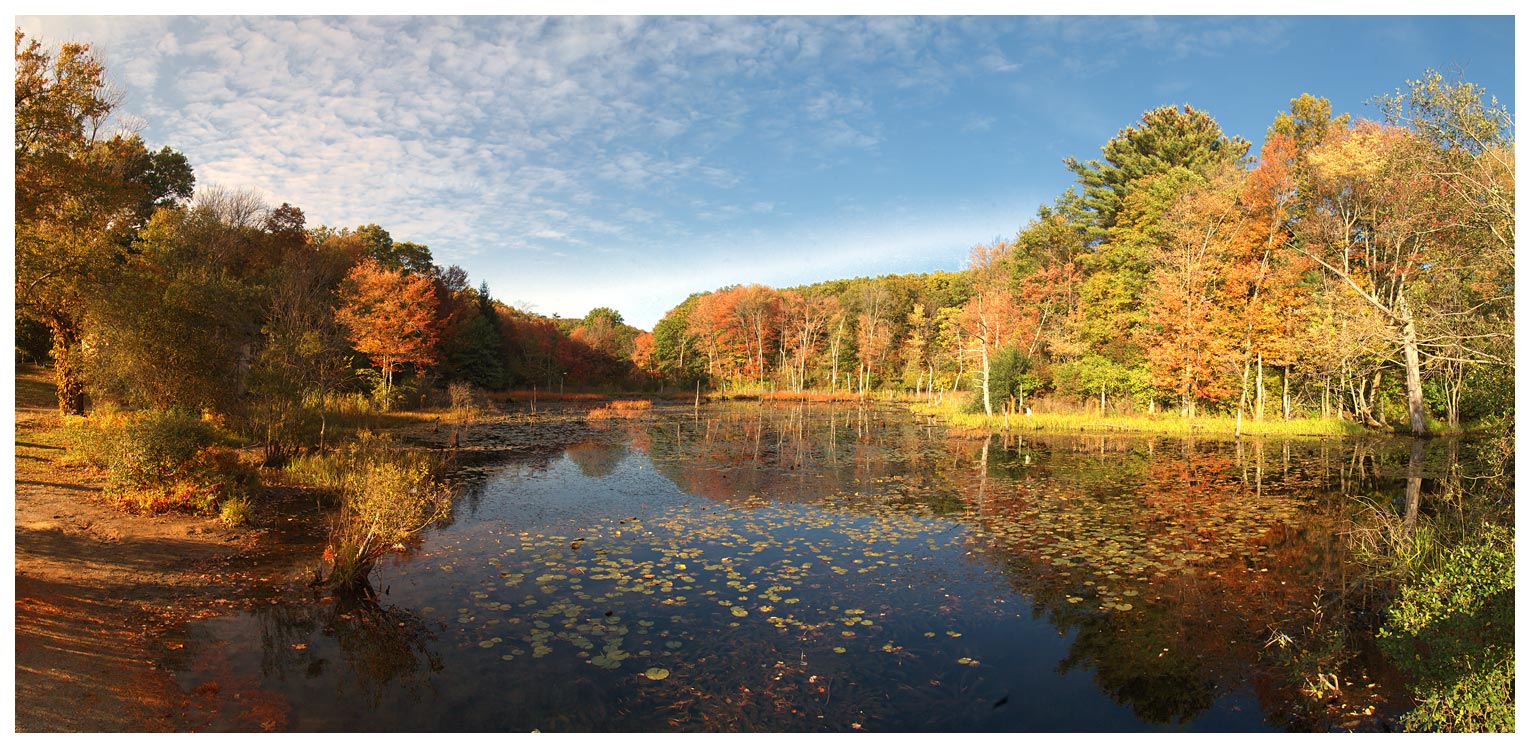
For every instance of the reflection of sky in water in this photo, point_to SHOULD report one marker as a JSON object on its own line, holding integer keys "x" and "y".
{"x": 864, "y": 574}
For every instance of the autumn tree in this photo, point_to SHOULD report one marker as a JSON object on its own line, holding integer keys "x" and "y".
{"x": 81, "y": 195}
{"x": 708, "y": 324}
{"x": 391, "y": 317}
{"x": 874, "y": 310}
{"x": 754, "y": 311}
{"x": 805, "y": 321}
{"x": 1465, "y": 301}
{"x": 989, "y": 317}
{"x": 1188, "y": 346}
{"x": 1370, "y": 228}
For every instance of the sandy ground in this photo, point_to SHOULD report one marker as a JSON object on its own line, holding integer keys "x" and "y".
{"x": 99, "y": 594}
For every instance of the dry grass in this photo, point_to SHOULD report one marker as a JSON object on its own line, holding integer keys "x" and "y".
{"x": 620, "y": 409}
{"x": 1147, "y": 424}
{"x": 545, "y": 395}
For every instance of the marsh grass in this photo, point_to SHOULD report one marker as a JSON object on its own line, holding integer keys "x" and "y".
{"x": 953, "y": 414}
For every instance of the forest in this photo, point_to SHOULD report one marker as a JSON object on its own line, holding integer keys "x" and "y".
{"x": 1351, "y": 269}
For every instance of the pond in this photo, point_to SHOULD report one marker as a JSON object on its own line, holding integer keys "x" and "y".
{"x": 799, "y": 568}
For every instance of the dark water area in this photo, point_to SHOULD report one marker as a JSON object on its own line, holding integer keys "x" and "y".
{"x": 804, "y": 568}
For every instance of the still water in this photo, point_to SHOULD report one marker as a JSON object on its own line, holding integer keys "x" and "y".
{"x": 788, "y": 568}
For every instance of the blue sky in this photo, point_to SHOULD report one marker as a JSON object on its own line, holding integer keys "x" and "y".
{"x": 575, "y": 162}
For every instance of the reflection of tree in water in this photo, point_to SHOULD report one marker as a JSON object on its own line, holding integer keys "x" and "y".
{"x": 597, "y": 459}
{"x": 472, "y": 480}
{"x": 796, "y": 452}
{"x": 379, "y": 648}
{"x": 1221, "y": 543}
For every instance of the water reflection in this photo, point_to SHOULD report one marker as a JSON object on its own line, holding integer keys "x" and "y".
{"x": 820, "y": 567}
{"x": 353, "y": 656}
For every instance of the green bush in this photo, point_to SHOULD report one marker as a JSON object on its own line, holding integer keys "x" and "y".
{"x": 1452, "y": 631}
{"x": 162, "y": 460}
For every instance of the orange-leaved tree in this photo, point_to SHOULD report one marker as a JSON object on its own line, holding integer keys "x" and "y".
{"x": 391, "y": 317}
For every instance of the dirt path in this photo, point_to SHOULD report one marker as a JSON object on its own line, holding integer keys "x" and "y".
{"x": 99, "y": 594}
{"x": 102, "y": 597}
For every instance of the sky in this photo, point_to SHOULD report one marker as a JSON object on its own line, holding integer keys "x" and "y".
{"x": 582, "y": 161}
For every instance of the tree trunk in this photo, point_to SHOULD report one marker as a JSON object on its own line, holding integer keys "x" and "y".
{"x": 66, "y": 375}
{"x": 1415, "y": 383}
{"x": 1285, "y": 393}
{"x": 1243, "y": 396}
{"x": 1415, "y": 483}
{"x": 987, "y": 405}
{"x": 1259, "y": 390}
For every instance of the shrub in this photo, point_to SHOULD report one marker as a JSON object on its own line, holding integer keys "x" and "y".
{"x": 235, "y": 511}
{"x": 1452, "y": 630}
{"x": 388, "y": 495}
{"x": 157, "y": 461}
{"x": 468, "y": 404}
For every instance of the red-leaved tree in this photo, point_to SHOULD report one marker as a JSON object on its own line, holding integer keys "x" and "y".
{"x": 391, "y": 317}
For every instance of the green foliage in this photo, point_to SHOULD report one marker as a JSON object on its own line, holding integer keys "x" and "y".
{"x": 1087, "y": 376}
{"x": 173, "y": 330}
{"x": 1010, "y": 379}
{"x": 1455, "y": 115}
{"x": 476, "y": 354}
{"x": 1452, "y": 630}
{"x": 1165, "y": 138}
{"x": 166, "y": 460}
{"x": 32, "y": 341}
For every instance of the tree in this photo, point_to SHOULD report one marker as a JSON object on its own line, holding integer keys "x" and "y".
{"x": 755, "y": 309}
{"x": 303, "y": 351}
{"x": 1371, "y": 225}
{"x": 177, "y": 324}
{"x": 1165, "y": 138}
{"x": 81, "y": 197}
{"x": 1464, "y": 306}
{"x": 805, "y": 319}
{"x": 1189, "y": 348}
{"x": 674, "y": 345}
{"x": 391, "y": 317}
{"x": 873, "y": 301}
{"x": 988, "y": 318}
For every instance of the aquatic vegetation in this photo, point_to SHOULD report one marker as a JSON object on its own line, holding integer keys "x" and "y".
{"x": 620, "y": 409}
{"x": 755, "y": 566}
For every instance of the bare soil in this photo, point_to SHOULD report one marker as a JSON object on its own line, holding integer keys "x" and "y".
{"x": 101, "y": 593}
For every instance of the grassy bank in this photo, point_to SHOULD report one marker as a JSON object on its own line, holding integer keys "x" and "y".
{"x": 1164, "y": 423}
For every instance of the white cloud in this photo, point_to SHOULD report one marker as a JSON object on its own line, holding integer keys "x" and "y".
{"x": 514, "y": 140}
